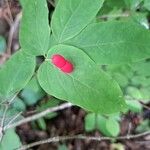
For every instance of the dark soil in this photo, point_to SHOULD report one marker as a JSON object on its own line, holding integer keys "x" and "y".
{"x": 71, "y": 122}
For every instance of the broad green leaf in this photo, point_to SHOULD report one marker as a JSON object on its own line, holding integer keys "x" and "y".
{"x": 121, "y": 79}
{"x": 10, "y": 140}
{"x": 111, "y": 5}
{"x": 87, "y": 86}
{"x": 115, "y": 3}
{"x": 71, "y": 16}
{"x": 35, "y": 30}
{"x": 147, "y": 4}
{"x": 32, "y": 92}
{"x": 145, "y": 92}
{"x": 138, "y": 80}
{"x": 90, "y": 120}
{"x": 16, "y": 73}
{"x": 140, "y": 18}
{"x": 109, "y": 127}
{"x": 134, "y": 92}
{"x": 133, "y": 4}
{"x": 112, "y": 127}
{"x": 142, "y": 68}
{"x": 112, "y": 42}
{"x": 18, "y": 104}
{"x": 134, "y": 106}
{"x": 2, "y": 44}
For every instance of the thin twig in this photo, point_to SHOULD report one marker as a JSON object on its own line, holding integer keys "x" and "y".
{"x": 81, "y": 137}
{"x": 4, "y": 115}
{"x": 13, "y": 119}
{"x": 3, "y": 122}
{"x": 129, "y": 128}
{"x": 13, "y": 28}
{"x": 13, "y": 98}
{"x": 9, "y": 11}
{"x": 39, "y": 115}
{"x": 145, "y": 106}
{"x": 52, "y": 3}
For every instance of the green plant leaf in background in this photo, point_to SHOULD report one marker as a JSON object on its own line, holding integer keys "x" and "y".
{"x": 134, "y": 106}
{"x": 12, "y": 114}
{"x": 112, "y": 42}
{"x": 10, "y": 140}
{"x": 134, "y": 92}
{"x": 18, "y": 104}
{"x": 132, "y": 4}
{"x": 2, "y": 45}
{"x": 71, "y": 16}
{"x": 142, "y": 68}
{"x": 48, "y": 104}
{"x": 15, "y": 74}
{"x": 32, "y": 92}
{"x": 147, "y": 4}
{"x": 112, "y": 127}
{"x": 35, "y": 30}
{"x": 108, "y": 126}
{"x": 87, "y": 86}
{"x": 90, "y": 122}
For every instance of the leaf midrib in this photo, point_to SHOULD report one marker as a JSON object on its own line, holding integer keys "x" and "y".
{"x": 60, "y": 38}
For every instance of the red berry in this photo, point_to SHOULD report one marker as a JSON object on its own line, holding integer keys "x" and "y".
{"x": 67, "y": 68}
{"x": 58, "y": 60}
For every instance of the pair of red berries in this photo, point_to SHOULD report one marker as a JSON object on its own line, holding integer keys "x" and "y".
{"x": 63, "y": 64}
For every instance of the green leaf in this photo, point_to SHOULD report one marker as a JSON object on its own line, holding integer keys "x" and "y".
{"x": 2, "y": 44}
{"x": 140, "y": 18}
{"x": 147, "y": 4}
{"x": 112, "y": 127}
{"x": 134, "y": 106}
{"x": 16, "y": 73}
{"x": 90, "y": 120}
{"x": 109, "y": 127}
{"x": 62, "y": 147}
{"x": 41, "y": 123}
{"x": 71, "y": 16}
{"x": 35, "y": 30}
{"x": 87, "y": 86}
{"x": 133, "y": 4}
{"x": 10, "y": 140}
{"x": 142, "y": 68}
{"x": 134, "y": 92}
{"x": 45, "y": 105}
{"x": 112, "y": 42}
{"x": 145, "y": 94}
{"x": 18, "y": 104}
{"x": 12, "y": 115}
{"x": 32, "y": 92}
{"x": 121, "y": 79}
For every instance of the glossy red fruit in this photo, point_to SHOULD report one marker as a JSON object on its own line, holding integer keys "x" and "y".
{"x": 58, "y": 60}
{"x": 68, "y": 67}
